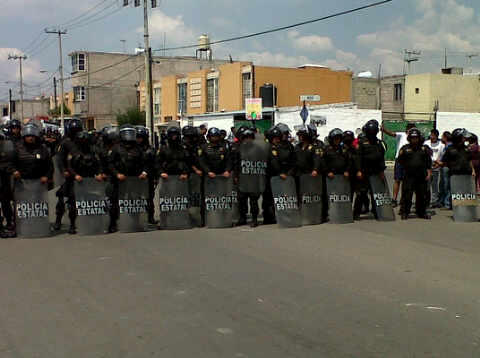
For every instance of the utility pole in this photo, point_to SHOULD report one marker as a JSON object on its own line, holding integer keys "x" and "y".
{"x": 445, "y": 58}
{"x": 60, "y": 69}
{"x": 55, "y": 93}
{"x": 20, "y": 58}
{"x": 469, "y": 57}
{"x": 411, "y": 56}
{"x": 10, "y": 105}
{"x": 148, "y": 65}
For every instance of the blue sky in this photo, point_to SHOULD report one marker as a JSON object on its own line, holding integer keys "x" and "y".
{"x": 359, "y": 41}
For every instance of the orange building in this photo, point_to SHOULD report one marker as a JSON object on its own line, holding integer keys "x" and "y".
{"x": 225, "y": 88}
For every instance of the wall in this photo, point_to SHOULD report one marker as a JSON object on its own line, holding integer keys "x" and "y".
{"x": 365, "y": 92}
{"x": 230, "y": 86}
{"x": 391, "y": 109}
{"x": 291, "y": 83}
{"x": 31, "y": 109}
{"x": 449, "y": 121}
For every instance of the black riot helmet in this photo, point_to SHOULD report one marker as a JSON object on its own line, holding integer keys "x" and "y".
{"x": 458, "y": 135}
{"x": 248, "y": 133}
{"x": 174, "y": 134}
{"x": 74, "y": 126}
{"x": 283, "y": 128}
{"x": 223, "y": 133}
{"x": 312, "y": 131}
{"x": 348, "y": 137}
{"x": 110, "y": 135}
{"x": 239, "y": 132}
{"x": 142, "y": 132}
{"x": 303, "y": 132}
{"x": 337, "y": 132}
{"x": 15, "y": 123}
{"x": 213, "y": 132}
{"x": 31, "y": 130}
{"x": 371, "y": 128}
{"x": 189, "y": 131}
{"x": 414, "y": 133}
{"x": 275, "y": 133}
{"x": 128, "y": 133}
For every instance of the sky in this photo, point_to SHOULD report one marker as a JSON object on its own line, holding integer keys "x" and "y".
{"x": 358, "y": 42}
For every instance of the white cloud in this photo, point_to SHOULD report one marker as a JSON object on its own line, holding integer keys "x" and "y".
{"x": 10, "y": 68}
{"x": 311, "y": 43}
{"x": 440, "y": 24}
{"x": 176, "y": 30}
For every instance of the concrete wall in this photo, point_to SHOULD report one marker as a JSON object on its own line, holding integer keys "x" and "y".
{"x": 454, "y": 93}
{"x": 365, "y": 92}
{"x": 391, "y": 109}
{"x": 31, "y": 108}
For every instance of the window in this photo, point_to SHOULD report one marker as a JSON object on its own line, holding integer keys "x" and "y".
{"x": 417, "y": 90}
{"x": 79, "y": 94}
{"x": 397, "y": 93}
{"x": 182, "y": 98}
{"x": 212, "y": 95}
{"x": 157, "y": 101}
{"x": 247, "y": 86}
{"x": 78, "y": 62}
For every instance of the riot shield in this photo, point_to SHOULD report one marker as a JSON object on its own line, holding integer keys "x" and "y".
{"x": 286, "y": 202}
{"x": 92, "y": 207}
{"x": 382, "y": 200}
{"x": 339, "y": 198}
{"x": 31, "y": 209}
{"x": 58, "y": 177}
{"x": 464, "y": 198}
{"x": 253, "y": 167}
{"x": 218, "y": 202}
{"x": 132, "y": 200}
{"x": 173, "y": 201}
{"x": 235, "y": 203}
{"x": 310, "y": 199}
{"x": 195, "y": 189}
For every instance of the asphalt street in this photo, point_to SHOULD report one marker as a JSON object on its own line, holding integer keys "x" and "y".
{"x": 404, "y": 289}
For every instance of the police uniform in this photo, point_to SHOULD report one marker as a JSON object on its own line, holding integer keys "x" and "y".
{"x": 7, "y": 155}
{"x": 417, "y": 162}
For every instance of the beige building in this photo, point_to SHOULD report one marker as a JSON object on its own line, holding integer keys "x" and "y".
{"x": 32, "y": 109}
{"x": 427, "y": 93}
{"x": 224, "y": 88}
{"x": 105, "y": 84}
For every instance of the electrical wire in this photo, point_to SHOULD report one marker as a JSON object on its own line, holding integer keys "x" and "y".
{"x": 39, "y": 51}
{"x": 77, "y": 18}
{"x": 97, "y": 19}
{"x": 277, "y": 29}
{"x": 27, "y": 48}
{"x": 85, "y": 20}
{"x": 130, "y": 57}
{"x": 118, "y": 78}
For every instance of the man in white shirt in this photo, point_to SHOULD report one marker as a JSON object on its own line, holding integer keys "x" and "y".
{"x": 437, "y": 148}
{"x": 401, "y": 138}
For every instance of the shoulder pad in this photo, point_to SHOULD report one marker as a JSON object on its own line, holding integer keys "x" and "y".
{"x": 199, "y": 151}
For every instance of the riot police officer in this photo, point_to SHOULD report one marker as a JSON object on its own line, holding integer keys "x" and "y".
{"x": 7, "y": 155}
{"x": 338, "y": 159}
{"x": 214, "y": 157}
{"x": 172, "y": 158}
{"x": 457, "y": 158}
{"x": 415, "y": 158}
{"x": 308, "y": 153}
{"x": 14, "y": 131}
{"x": 66, "y": 147}
{"x": 82, "y": 162}
{"x": 125, "y": 159}
{"x": 371, "y": 156}
{"x": 149, "y": 152}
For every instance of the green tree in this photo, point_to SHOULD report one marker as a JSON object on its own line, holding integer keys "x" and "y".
{"x": 131, "y": 116}
{"x": 56, "y": 111}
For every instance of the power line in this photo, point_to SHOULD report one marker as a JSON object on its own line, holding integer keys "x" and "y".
{"x": 97, "y": 19}
{"x": 82, "y": 14}
{"x": 277, "y": 29}
{"x": 118, "y": 78}
{"x": 86, "y": 20}
{"x": 27, "y": 48}
{"x": 39, "y": 51}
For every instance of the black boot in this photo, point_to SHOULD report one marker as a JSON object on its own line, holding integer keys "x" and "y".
{"x": 254, "y": 222}
{"x": 58, "y": 223}
{"x": 112, "y": 228}
{"x": 241, "y": 222}
{"x": 151, "y": 220}
{"x": 72, "y": 230}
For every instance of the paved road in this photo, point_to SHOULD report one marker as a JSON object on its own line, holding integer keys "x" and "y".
{"x": 362, "y": 290}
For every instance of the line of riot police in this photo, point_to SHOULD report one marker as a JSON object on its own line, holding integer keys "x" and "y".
{"x": 203, "y": 178}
